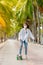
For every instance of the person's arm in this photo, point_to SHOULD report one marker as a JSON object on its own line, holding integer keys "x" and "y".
{"x": 20, "y": 33}
{"x": 31, "y": 35}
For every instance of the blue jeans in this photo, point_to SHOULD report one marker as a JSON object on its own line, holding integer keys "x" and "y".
{"x": 25, "y": 44}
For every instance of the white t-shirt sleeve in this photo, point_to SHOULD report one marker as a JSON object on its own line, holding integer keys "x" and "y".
{"x": 31, "y": 35}
{"x": 20, "y": 34}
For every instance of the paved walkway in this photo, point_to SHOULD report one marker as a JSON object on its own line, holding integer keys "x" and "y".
{"x": 9, "y": 51}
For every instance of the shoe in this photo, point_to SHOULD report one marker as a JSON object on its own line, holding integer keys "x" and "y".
{"x": 19, "y": 57}
{"x": 26, "y": 58}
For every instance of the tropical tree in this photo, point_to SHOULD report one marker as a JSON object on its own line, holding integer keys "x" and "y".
{"x": 17, "y": 12}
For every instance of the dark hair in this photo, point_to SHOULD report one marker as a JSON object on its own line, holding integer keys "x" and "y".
{"x": 27, "y": 24}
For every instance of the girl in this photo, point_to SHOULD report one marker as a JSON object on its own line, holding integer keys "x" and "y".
{"x": 24, "y": 35}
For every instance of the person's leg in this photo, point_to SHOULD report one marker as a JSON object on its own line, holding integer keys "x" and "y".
{"x": 25, "y": 44}
{"x": 19, "y": 56}
{"x": 20, "y": 51}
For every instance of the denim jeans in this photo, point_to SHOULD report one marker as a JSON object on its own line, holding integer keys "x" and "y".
{"x": 25, "y": 44}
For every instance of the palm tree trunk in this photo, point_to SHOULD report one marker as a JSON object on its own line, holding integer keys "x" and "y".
{"x": 38, "y": 20}
{"x": 35, "y": 22}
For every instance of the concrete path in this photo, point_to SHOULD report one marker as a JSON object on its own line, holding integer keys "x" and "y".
{"x": 10, "y": 50}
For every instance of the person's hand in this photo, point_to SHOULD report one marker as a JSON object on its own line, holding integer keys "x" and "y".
{"x": 33, "y": 39}
{"x": 19, "y": 39}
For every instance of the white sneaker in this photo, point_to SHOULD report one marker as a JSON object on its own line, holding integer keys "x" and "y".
{"x": 25, "y": 57}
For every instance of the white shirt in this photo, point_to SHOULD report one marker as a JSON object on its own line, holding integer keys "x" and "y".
{"x": 25, "y": 34}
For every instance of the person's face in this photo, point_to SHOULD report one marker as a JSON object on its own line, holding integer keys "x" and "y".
{"x": 25, "y": 26}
